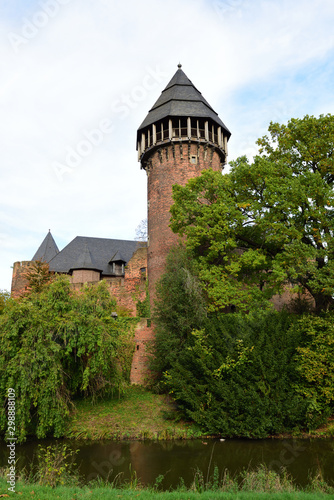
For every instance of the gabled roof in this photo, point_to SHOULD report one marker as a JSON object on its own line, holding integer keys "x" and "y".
{"x": 95, "y": 253}
{"x": 181, "y": 98}
{"x": 47, "y": 249}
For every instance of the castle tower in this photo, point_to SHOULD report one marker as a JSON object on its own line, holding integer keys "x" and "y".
{"x": 46, "y": 251}
{"x": 180, "y": 137}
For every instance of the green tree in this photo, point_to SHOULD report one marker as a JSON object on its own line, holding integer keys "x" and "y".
{"x": 179, "y": 308}
{"x": 57, "y": 345}
{"x": 265, "y": 224}
{"x": 37, "y": 275}
{"x": 4, "y": 296}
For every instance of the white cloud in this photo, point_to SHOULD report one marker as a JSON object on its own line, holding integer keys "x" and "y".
{"x": 254, "y": 61}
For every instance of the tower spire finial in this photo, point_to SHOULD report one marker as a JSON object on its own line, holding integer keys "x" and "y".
{"x": 179, "y": 65}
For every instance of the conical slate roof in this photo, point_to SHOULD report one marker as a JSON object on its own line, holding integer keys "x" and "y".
{"x": 47, "y": 250}
{"x": 181, "y": 98}
{"x": 85, "y": 260}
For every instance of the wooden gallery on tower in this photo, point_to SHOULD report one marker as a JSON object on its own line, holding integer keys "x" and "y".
{"x": 180, "y": 137}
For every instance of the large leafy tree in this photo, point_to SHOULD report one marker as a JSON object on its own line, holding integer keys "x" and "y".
{"x": 57, "y": 345}
{"x": 266, "y": 225}
{"x": 252, "y": 374}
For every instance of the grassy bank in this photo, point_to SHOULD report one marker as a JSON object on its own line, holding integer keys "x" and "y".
{"x": 260, "y": 483}
{"x": 138, "y": 414}
{"x": 70, "y": 493}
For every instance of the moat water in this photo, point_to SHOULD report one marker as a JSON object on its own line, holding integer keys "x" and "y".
{"x": 301, "y": 458}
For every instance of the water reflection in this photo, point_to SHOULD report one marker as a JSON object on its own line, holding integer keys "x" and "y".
{"x": 176, "y": 459}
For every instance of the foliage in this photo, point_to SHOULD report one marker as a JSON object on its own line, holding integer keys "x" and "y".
{"x": 180, "y": 307}
{"x": 267, "y": 224}
{"x": 316, "y": 364}
{"x": 264, "y": 479}
{"x": 257, "y": 483}
{"x": 143, "y": 306}
{"x": 57, "y": 345}
{"x": 37, "y": 275}
{"x": 56, "y": 466}
{"x": 4, "y": 297}
{"x": 238, "y": 376}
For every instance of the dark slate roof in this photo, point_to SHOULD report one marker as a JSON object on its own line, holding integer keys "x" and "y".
{"x": 118, "y": 257}
{"x": 85, "y": 261}
{"x": 181, "y": 98}
{"x": 47, "y": 250}
{"x": 96, "y": 252}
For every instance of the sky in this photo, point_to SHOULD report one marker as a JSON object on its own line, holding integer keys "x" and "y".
{"x": 78, "y": 77}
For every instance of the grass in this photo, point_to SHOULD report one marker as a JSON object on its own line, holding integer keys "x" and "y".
{"x": 138, "y": 414}
{"x": 104, "y": 493}
{"x": 260, "y": 483}
{"x": 141, "y": 414}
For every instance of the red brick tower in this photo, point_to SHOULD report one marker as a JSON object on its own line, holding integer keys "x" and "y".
{"x": 180, "y": 137}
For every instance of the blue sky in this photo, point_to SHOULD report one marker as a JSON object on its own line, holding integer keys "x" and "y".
{"x": 79, "y": 76}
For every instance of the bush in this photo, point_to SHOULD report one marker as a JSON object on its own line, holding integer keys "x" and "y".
{"x": 316, "y": 365}
{"x": 237, "y": 376}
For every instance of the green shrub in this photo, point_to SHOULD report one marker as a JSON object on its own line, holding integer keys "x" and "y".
{"x": 56, "y": 466}
{"x": 316, "y": 365}
{"x": 237, "y": 376}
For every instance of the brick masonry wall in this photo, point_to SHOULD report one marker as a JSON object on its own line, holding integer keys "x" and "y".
{"x": 128, "y": 290}
{"x": 168, "y": 166}
{"x": 19, "y": 282}
{"x": 288, "y": 297}
{"x": 84, "y": 276}
{"x": 144, "y": 335}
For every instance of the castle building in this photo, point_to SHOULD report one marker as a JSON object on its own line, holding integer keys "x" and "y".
{"x": 180, "y": 137}
{"x": 121, "y": 263}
